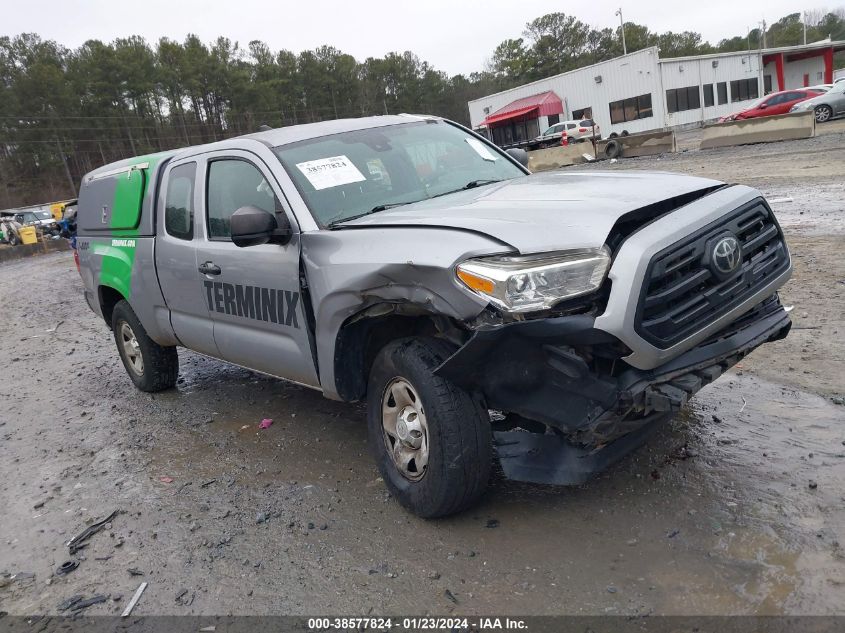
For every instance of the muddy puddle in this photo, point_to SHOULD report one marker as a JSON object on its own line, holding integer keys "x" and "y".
{"x": 817, "y": 209}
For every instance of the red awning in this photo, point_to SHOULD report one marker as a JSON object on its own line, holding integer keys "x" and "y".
{"x": 542, "y": 104}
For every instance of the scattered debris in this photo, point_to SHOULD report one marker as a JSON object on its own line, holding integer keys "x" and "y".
{"x": 134, "y": 600}
{"x": 207, "y": 483}
{"x": 54, "y": 328}
{"x": 80, "y": 540}
{"x": 779, "y": 200}
{"x": 673, "y": 533}
{"x": 79, "y": 604}
{"x": 492, "y": 523}
{"x": 611, "y": 589}
{"x": 67, "y": 567}
{"x": 64, "y": 605}
{"x": 261, "y": 517}
{"x": 265, "y": 423}
{"x": 135, "y": 572}
{"x": 813, "y": 484}
{"x": 166, "y": 480}
{"x": 450, "y": 596}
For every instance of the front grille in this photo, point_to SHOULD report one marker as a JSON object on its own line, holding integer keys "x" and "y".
{"x": 681, "y": 295}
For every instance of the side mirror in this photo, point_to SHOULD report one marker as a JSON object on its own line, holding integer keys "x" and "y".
{"x": 251, "y": 226}
{"x": 519, "y": 155}
{"x": 764, "y": 105}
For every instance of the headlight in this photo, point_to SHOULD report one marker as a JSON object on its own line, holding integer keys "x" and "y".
{"x": 535, "y": 282}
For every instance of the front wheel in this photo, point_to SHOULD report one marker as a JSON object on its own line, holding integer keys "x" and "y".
{"x": 431, "y": 440}
{"x": 823, "y": 113}
{"x": 150, "y": 366}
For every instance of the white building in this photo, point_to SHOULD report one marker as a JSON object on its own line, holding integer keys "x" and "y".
{"x": 640, "y": 91}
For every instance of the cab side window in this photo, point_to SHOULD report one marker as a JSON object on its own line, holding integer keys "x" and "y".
{"x": 179, "y": 202}
{"x": 232, "y": 184}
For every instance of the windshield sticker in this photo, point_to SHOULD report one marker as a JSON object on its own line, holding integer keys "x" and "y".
{"x": 330, "y": 172}
{"x": 481, "y": 149}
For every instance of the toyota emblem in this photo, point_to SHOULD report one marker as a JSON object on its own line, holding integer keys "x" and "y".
{"x": 726, "y": 255}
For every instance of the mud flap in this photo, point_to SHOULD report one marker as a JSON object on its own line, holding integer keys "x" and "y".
{"x": 551, "y": 459}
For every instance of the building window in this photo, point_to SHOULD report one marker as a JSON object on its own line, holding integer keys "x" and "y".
{"x": 553, "y": 118}
{"x": 722, "y": 92}
{"x": 681, "y": 99}
{"x": 708, "y": 95}
{"x": 631, "y": 109}
{"x": 744, "y": 89}
{"x": 767, "y": 84}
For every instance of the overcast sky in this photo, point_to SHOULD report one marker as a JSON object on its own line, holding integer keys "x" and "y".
{"x": 456, "y": 36}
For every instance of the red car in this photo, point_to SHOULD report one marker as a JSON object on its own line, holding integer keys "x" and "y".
{"x": 775, "y": 103}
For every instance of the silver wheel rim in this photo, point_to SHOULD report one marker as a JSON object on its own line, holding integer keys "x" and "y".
{"x": 131, "y": 349}
{"x": 405, "y": 429}
{"x": 822, "y": 115}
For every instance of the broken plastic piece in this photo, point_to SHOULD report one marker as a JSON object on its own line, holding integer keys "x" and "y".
{"x": 67, "y": 567}
{"x": 134, "y": 600}
{"x": 78, "y": 542}
{"x": 265, "y": 423}
{"x": 166, "y": 480}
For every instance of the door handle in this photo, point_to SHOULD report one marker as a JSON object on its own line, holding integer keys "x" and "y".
{"x": 209, "y": 268}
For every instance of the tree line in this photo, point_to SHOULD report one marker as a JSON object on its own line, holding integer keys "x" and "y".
{"x": 66, "y": 111}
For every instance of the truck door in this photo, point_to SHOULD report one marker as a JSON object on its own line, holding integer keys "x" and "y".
{"x": 253, "y": 293}
{"x": 176, "y": 258}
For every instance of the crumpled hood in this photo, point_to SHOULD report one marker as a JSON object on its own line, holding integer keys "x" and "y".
{"x": 543, "y": 212}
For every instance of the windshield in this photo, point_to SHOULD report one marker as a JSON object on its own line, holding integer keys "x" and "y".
{"x": 354, "y": 173}
{"x": 44, "y": 215}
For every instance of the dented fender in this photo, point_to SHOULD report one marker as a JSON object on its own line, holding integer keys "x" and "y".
{"x": 349, "y": 270}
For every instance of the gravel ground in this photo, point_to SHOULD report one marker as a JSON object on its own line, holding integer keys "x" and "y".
{"x": 736, "y": 507}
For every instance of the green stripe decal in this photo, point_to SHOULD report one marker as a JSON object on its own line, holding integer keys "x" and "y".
{"x": 117, "y": 255}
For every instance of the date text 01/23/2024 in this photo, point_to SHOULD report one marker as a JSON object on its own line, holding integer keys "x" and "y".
{"x": 416, "y": 624}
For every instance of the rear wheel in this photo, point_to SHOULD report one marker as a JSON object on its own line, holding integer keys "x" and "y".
{"x": 823, "y": 113}
{"x": 431, "y": 440}
{"x": 150, "y": 366}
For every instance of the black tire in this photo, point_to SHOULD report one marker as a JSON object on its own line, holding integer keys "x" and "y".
{"x": 159, "y": 365}
{"x": 13, "y": 239}
{"x": 624, "y": 133}
{"x": 823, "y": 114}
{"x": 612, "y": 135}
{"x": 613, "y": 149}
{"x": 459, "y": 437}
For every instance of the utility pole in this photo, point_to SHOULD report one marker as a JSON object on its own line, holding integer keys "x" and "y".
{"x": 67, "y": 169}
{"x": 764, "y": 35}
{"x": 804, "y": 20}
{"x": 622, "y": 28}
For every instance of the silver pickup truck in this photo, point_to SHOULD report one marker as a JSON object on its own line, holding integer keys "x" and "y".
{"x": 550, "y": 321}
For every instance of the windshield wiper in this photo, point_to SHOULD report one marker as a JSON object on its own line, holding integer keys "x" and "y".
{"x": 375, "y": 209}
{"x": 472, "y": 184}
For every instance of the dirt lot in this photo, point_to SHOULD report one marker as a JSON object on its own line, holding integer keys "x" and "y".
{"x": 738, "y": 506}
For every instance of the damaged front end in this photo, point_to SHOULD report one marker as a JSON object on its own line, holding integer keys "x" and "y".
{"x": 572, "y": 405}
